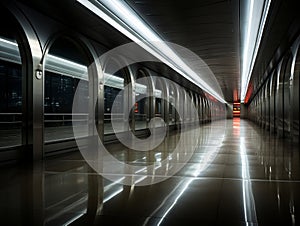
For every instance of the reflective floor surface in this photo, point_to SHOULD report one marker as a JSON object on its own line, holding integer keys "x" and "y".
{"x": 235, "y": 174}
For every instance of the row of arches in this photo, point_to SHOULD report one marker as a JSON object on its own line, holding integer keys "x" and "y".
{"x": 41, "y": 72}
{"x": 276, "y": 105}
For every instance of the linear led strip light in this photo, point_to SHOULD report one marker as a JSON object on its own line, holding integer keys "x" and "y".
{"x": 119, "y": 15}
{"x": 258, "y": 12}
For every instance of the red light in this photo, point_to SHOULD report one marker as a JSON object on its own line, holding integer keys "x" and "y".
{"x": 136, "y": 108}
{"x": 236, "y": 109}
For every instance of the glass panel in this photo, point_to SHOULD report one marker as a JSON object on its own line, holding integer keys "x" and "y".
{"x": 10, "y": 93}
{"x": 113, "y": 86}
{"x": 64, "y": 69}
{"x": 272, "y": 102}
{"x": 205, "y": 109}
{"x": 142, "y": 107}
{"x": 200, "y": 108}
{"x": 195, "y": 115}
{"x": 188, "y": 101}
{"x": 279, "y": 98}
{"x": 287, "y": 110}
{"x": 159, "y": 102}
{"x": 172, "y": 110}
{"x": 295, "y": 98}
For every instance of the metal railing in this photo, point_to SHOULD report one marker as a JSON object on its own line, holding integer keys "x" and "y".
{"x": 61, "y": 119}
{"x": 8, "y": 119}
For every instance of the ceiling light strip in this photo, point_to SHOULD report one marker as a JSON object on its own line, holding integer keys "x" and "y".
{"x": 247, "y": 70}
{"x": 125, "y": 20}
{"x": 245, "y": 67}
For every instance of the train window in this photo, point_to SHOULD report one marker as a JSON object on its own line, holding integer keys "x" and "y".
{"x": 10, "y": 92}
{"x": 65, "y": 67}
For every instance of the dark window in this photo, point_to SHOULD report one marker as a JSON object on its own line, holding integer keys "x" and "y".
{"x": 10, "y": 87}
{"x": 60, "y": 91}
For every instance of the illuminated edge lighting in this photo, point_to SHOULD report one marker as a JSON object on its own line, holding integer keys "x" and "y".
{"x": 54, "y": 64}
{"x": 10, "y": 42}
{"x": 248, "y": 198}
{"x": 246, "y": 73}
{"x": 175, "y": 201}
{"x": 163, "y": 203}
{"x": 69, "y": 68}
{"x": 73, "y": 219}
{"x": 112, "y": 195}
{"x": 120, "y": 16}
{"x": 245, "y": 55}
{"x": 109, "y": 186}
{"x": 11, "y": 45}
{"x": 68, "y": 62}
{"x": 201, "y": 167}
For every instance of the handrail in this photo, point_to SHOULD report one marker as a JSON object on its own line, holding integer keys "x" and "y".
{"x": 65, "y": 114}
{"x": 7, "y": 113}
{"x": 13, "y": 118}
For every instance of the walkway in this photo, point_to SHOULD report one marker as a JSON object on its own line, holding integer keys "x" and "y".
{"x": 237, "y": 174}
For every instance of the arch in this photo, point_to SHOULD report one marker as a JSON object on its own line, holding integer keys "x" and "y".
{"x": 294, "y": 91}
{"x": 69, "y": 71}
{"x": 196, "y": 102}
{"x": 161, "y": 106}
{"x": 11, "y": 89}
{"x": 209, "y": 108}
{"x": 198, "y": 107}
{"x": 281, "y": 96}
{"x": 204, "y": 108}
{"x": 287, "y": 106}
{"x": 95, "y": 102}
{"x": 115, "y": 80}
{"x": 272, "y": 102}
{"x": 145, "y": 106}
{"x": 260, "y": 107}
{"x": 267, "y": 102}
{"x": 173, "y": 98}
{"x": 194, "y": 116}
{"x": 30, "y": 52}
{"x": 263, "y": 105}
{"x": 267, "y": 116}
{"x": 187, "y": 107}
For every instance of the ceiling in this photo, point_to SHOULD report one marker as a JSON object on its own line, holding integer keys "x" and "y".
{"x": 209, "y": 28}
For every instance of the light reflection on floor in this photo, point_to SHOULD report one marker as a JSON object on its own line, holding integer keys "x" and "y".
{"x": 238, "y": 175}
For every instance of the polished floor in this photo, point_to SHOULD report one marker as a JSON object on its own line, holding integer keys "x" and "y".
{"x": 238, "y": 174}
